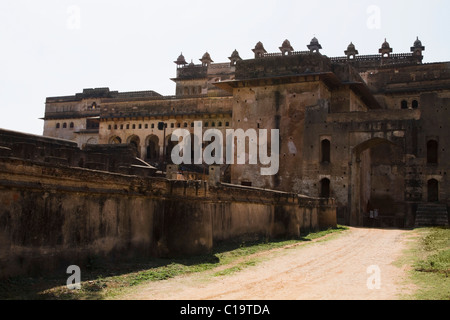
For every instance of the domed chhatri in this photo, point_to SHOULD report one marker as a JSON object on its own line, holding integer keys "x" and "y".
{"x": 235, "y": 57}
{"x": 351, "y": 51}
{"x": 206, "y": 59}
{"x": 181, "y": 61}
{"x": 386, "y": 49}
{"x": 418, "y": 48}
{"x": 385, "y": 45}
{"x": 314, "y": 46}
{"x": 286, "y": 48}
{"x": 259, "y": 50}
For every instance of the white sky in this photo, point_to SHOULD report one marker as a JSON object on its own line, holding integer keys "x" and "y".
{"x": 57, "y": 47}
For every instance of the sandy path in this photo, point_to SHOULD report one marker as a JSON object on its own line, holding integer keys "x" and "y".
{"x": 331, "y": 270}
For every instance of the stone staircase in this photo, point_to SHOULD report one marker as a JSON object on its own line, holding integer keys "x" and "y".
{"x": 431, "y": 215}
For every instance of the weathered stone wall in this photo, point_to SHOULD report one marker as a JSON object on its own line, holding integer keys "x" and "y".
{"x": 53, "y": 216}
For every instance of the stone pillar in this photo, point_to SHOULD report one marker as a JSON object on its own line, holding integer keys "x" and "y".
{"x": 172, "y": 172}
{"x": 214, "y": 176}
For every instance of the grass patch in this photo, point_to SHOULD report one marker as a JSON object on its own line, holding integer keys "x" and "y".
{"x": 109, "y": 281}
{"x": 430, "y": 259}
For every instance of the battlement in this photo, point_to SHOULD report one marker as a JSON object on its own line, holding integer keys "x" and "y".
{"x": 102, "y": 93}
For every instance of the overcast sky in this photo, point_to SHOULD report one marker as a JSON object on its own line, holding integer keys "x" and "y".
{"x": 57, "y": 47}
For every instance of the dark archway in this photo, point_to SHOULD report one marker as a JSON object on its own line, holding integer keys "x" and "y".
{"x": 135, "y": 142}
{"x": 152, "y": 149}
{"x": 404, "y": 104}
{"x": 325, "y": 190}
{"x": 433, "y": 190}
{"x": 432, "y": 152}
{"x": 326, "y": 151}
{"x": 377, "y": 178}
{"x": 115, "y": 140}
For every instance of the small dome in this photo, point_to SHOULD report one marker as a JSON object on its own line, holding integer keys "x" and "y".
{"x": 235, "y": 54}
{"x": 259, "y": 50}
{"x": 259, "y": 46}
{"x": 418, "y": 43}
{"x": 286, "y": 43}
{"x": 206, "y": 56}
{"x": 314, "y": 41}
{"x": 351, "y": 50}
{"x": 181, "y": 60}
{"x": 286, "y": 47}
{"x": 385, "y": 45}
{"x": 314, "y": 46}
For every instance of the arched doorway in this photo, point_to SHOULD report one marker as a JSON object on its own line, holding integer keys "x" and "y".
{"x": 152, "y": 148}
{"x": 433, "y": 190}
{"x": 432, "y": 152}
{"x": 135, "y": 142}
{"x": 325, "y": 190}
{"x": 325, "y": 147}
{"x": 115, "y": 140}
{"x": 377, "y": 180}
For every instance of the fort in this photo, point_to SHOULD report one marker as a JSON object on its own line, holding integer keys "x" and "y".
{"x": 363, "y": 141}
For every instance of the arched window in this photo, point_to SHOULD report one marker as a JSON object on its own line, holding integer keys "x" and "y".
{"x": 326, "y": 151}
{"x": 404, "y": 104}
{"x": 72, "y": 125}
{"x": 325, "y": 188}
{"x": 432, "y": 152}
{"x": 58, "y": 125}
{"x": 415, "y": 104}
{"x": 64, "y": 125}
{"x": 115, "y": 140}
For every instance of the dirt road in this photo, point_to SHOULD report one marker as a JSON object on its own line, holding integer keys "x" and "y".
{"x": 356, "y": 265}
